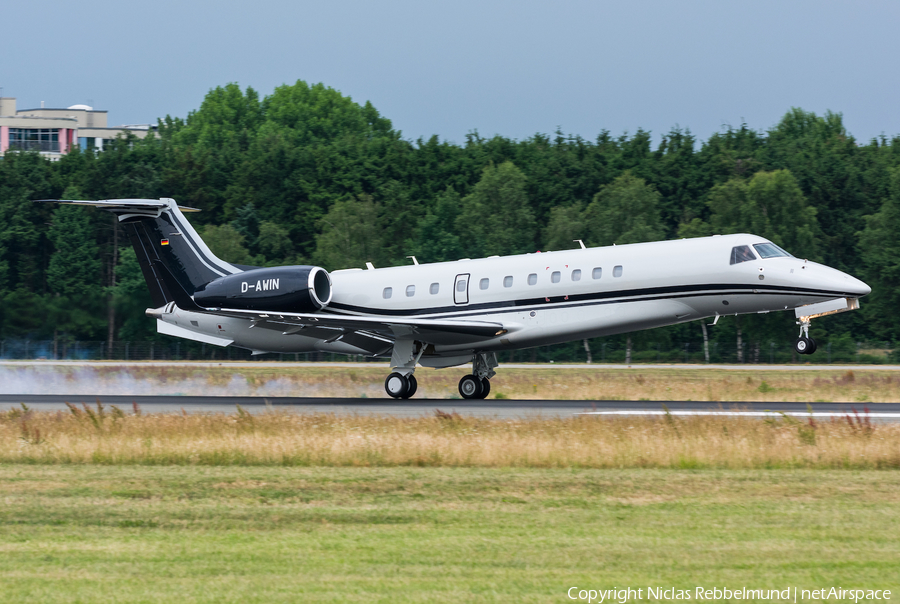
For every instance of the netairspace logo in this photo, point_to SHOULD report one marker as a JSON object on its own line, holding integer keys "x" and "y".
{"x": 790, "y": 594}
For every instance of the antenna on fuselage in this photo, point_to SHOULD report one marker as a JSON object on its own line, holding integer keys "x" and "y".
{"x": 416, "y": 262}
{"x": 370, "y": 266}
{"x": 581, "y": 243}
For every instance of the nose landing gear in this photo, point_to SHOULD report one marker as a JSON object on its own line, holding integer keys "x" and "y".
{"x": 804, "y": 344}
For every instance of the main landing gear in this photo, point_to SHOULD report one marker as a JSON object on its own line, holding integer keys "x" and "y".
{"x": 472, "y": 386}
{"x": 478, "y": 384}
{"x": 401, "y": 383}
{"x": 804, "y": 344}
{"x": 398, "y": 385}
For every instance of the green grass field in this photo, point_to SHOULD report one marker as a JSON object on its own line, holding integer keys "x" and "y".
{"x": 90, "y": 533}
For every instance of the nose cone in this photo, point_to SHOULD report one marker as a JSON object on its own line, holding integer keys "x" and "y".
{"x": 850, "y": 285}
{"x": 859, "y": 288}
{"x": 832, "y": 280}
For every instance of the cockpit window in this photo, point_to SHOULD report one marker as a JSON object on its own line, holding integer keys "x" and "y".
{"x": 741, "y": 253}
{"x": 769, "y": 250}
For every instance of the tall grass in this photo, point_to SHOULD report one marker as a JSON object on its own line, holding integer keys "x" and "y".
{"x": 98, "y": 435}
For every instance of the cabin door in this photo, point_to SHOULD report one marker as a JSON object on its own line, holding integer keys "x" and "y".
{"x": 461, "y": 289}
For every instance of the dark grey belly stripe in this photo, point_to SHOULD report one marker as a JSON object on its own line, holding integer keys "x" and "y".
{"x": 591, "y": 299}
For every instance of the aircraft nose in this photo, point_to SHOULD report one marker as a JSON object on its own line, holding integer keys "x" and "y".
{"x": 831, "y": 279}
{"x": 861, "y": 289}
{"x": 854, "y": 286}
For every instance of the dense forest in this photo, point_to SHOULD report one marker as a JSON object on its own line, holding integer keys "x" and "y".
{"x": 306, "y": 175}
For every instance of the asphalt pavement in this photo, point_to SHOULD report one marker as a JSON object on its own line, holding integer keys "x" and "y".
{"x": 496, "y": 408}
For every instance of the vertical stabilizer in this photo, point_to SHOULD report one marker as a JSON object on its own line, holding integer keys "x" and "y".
{"x": 161, "y": 235}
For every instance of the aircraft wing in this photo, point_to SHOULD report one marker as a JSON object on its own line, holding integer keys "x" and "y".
{"x": 334, "y": 327}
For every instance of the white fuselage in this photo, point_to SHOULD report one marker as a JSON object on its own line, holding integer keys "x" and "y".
{"x": 553, "y": 297}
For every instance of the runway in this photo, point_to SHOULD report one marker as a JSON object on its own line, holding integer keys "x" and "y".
{"x": 491, "y": 408}
{"x": 386, "y": 366}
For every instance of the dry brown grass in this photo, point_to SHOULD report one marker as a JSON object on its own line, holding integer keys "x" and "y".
{"x": 870, "y": 385}
{"x": 700, "y": 384}
{"x": 110, "y": 436}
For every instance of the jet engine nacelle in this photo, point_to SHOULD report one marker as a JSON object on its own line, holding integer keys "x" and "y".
{"x": 282, "y": 288}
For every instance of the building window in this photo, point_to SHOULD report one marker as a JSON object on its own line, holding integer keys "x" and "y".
{"x": 34, "y": 139}
{"x": 617, "y": 271}
{"x": 596, "y": 273}
{"x": 554, "y": 277}
{"x": 387, "y": 293}
{"x": 507, "y": 281}
{"x": 576, "y": 274}
{"x": 410, "y": 291}
{"x": 484, "y": 284}
{"x": 435, "y": 288}
{"x": 532, "y": 279}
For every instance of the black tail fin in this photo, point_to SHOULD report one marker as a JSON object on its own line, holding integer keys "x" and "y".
{"x": 178, "y": 294}
{"x": 162, "y": 237}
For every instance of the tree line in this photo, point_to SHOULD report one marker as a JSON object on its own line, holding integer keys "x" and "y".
{"x": 307, "y": 175}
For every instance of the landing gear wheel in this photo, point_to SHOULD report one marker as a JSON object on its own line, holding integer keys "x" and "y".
{"x": 396, "y": 385}
{"x": 413, "y": 386}
{"x": 812, "y": 346}
{"x": 470, "y": 386}
{"x": 485, "y": 387}
{"x": 804, "y": 345}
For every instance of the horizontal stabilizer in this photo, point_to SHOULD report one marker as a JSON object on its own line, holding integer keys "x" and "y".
{"x": 122, "y": 206}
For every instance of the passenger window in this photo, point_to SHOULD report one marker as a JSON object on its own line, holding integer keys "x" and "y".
{"x": 617, "y": 271}
{"x": 596, "y": 273}
{"x": 484, "y": 283}
{"x": 410, "y": 291}
{"x": 507, "y": 281}
{"x": 576, "y": 274}
{"x": 532, "y": 279}
{"x": 387, "y": 292}
{"x": 741, "y": 253}
{"x": 461, "y": 285}
{"x": 435, "y": 288}
{"x": 554, "y": 277}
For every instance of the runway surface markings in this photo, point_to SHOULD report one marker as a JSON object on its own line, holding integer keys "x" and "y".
{"x": 822, "y": 414}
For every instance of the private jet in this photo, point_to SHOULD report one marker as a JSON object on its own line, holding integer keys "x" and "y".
{"x": 448, "y": 314}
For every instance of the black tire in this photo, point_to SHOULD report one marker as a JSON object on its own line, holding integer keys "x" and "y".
{"x": 485, "y": 388}
{"x": 802, "y": 345}
{"x": 396, "y": 385}
{"x": 812, "y": 346}
{"x": 470, "y": 387}
{"x": 413, "y": 386}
